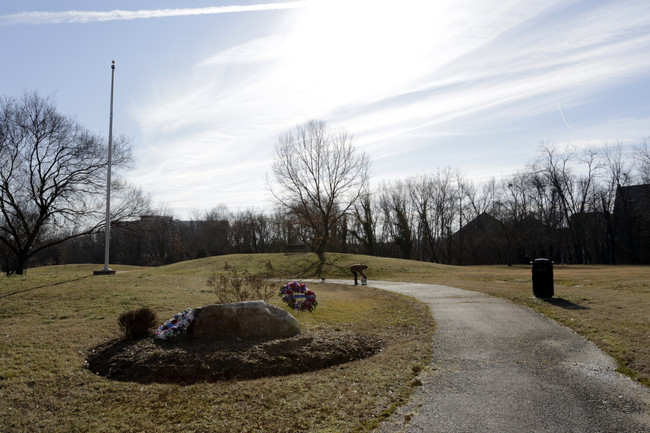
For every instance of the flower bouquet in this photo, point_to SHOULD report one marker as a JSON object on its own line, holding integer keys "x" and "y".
{"x": 177, "y": 325}
{"x": 298, "y": 297}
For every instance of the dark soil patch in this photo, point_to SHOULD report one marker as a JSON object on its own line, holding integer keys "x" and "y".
{"x": 185, "y": 361}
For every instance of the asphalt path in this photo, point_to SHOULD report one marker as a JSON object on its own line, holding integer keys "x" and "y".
{"x": 501, "y": 367}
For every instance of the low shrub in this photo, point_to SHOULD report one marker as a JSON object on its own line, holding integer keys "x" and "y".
{"x": 231, "y": 286}
{"x": 138, "y": 323}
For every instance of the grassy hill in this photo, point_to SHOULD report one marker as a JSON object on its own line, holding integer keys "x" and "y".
{"x": 306, "y": 265}
{"x": 52, "y": 317}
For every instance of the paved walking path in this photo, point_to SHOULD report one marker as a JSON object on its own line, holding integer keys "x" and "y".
{"x": 501, "y": 367}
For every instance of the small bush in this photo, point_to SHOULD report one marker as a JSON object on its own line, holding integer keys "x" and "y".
{"x": 230, "y": 286}
{"x": 138, "y": 323}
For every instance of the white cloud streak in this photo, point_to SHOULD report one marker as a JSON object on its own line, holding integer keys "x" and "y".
{"x": 410, "y": 83}
{"x": 77, "y": 17}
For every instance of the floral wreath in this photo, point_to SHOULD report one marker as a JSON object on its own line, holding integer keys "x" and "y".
{"x": 298, "y": 297}
{"x": 176, "y": 325}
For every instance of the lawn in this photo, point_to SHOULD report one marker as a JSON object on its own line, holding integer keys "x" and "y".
{"x": 51, "y": 318}
{"x": 54, "y": 316}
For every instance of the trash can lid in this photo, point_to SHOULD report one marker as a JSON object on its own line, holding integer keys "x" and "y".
{"x": 541, "y": 260}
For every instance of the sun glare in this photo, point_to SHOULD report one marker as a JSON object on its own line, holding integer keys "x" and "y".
{"x": 353, "y": 50}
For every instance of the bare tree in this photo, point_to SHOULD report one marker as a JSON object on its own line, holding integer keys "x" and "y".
{"x": 364, "y": 223}
{"x": 250, "y": 231}
{"x": 397, "y": 212}
{"x": 513, "y": 209}
{"x": 642, "y": 158}
{"x": 617, "y": 173}
{"x": 421, "y": 192}
{"x": 52, "y": 179}
{"x": 445, "y": 201}
{"x": 479, "y": 201}
{"x": 574, "y": 190}
{"x": 318, "y": 176}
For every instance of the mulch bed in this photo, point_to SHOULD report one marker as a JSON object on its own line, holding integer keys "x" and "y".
{"x": 185, "y": 361}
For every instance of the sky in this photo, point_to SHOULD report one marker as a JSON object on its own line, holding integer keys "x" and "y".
{"x": 204, "y": 88}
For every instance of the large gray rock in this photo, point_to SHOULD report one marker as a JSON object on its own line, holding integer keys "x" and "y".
{"x": 251, "y": 319}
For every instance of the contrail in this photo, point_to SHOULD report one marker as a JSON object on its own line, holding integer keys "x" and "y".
{"x": 69, "y": 17}
{"x": 563, "y": 118}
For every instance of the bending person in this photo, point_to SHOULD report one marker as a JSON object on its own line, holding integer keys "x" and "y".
{"x": 358, "y": 269}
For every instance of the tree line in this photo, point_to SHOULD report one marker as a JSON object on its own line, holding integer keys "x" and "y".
{"x": 561, "y": 206}
{"x": 570, "y": 205}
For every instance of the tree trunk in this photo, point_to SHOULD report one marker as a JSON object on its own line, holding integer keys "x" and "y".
{"x": 17, "y": 264}
{"x": 321, "y": 261}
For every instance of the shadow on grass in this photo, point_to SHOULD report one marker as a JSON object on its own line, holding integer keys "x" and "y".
{"x": 309, "y": 270}
{"x": 563, "y": 303}
{"x": 6, "y": 295}
{"x": 318, "y": 267}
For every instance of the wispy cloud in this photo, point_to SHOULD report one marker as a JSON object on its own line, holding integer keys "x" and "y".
{"x": 417, "y": 85}
{"x": 510, "y": 64}
{"x": 69, "y": 17}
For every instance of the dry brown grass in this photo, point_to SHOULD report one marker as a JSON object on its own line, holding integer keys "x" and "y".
{"x": 51, "y": 318}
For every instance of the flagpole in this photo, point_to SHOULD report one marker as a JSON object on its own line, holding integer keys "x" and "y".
{"x": 107, "y": 229}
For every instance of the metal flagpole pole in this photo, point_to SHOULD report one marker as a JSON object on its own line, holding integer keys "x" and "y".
{"x": 107, "y": 229}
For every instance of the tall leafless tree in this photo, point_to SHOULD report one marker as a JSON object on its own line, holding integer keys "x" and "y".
{"x": 52, "y": 179}
{"x": 572, "y": 175}
{"x": 617, "y": 173}
{"x": 513, "y": 208}
{"x": 421, "y": 191}
{"x": 364, "y": 226}
{"x": 319, "y": 175}
{"x": 445, "y": 207}
{"x": 397, "y": 214}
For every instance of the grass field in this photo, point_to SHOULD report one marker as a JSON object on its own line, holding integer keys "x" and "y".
{"x": 52, "y": 317}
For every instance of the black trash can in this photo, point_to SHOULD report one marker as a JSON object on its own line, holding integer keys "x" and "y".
{"x": 543, "y": 278}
